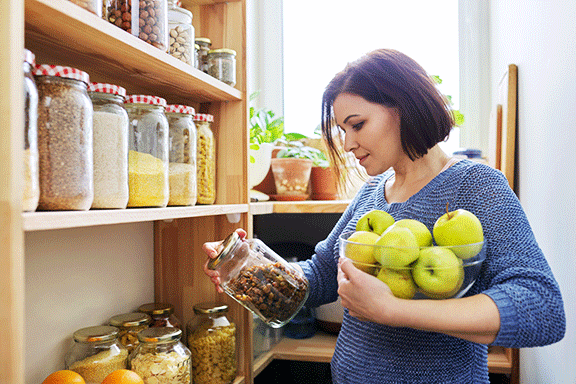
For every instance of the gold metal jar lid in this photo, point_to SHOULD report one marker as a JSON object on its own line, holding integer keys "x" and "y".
{"x": 156, "y": 309}
{"x": 203, "y": 40}
{"x": 96, "y": 334}
{"x": 159, "y": 335}
{"x": 133, "y": 319}
{"x": 209, "y": 308}
{"x": 228, "y": 245}
{"x": 222, "y": 50}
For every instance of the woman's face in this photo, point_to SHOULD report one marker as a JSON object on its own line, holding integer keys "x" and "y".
{"x": 372, "y": 132}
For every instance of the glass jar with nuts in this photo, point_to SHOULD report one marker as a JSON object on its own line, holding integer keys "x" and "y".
{"x": 206, "y": 159}
{"x": 181, "y": 36}
{"x": 129, "y": 324}
{"x": 162, "y": 315}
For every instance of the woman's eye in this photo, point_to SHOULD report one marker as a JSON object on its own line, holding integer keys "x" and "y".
{"x": 357, "y": 126}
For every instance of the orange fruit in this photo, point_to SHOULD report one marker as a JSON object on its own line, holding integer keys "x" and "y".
{"x": 123, "y": 376}
{"x": 64, "y": 377}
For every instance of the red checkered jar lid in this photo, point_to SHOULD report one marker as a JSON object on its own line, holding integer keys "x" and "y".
{"x": 176, "y": 108}
{"x": 203, "y": 117}
{"x": 29, "y": 57}
{"x": 107, "y": 88}
{"x": 60, "y": 71}
{"x": 145, "y": 99}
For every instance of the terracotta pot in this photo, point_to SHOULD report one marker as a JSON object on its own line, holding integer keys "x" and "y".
{"x": 324, "y": 185}
{"x": 291, "y": 175}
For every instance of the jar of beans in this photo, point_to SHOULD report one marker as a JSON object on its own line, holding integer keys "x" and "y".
{"x": 181, "y": 35}
{"x": 182, "y": 168}
{"x": 94, "y": 6}
{"x": 212, "y": 342}
{"x": 65, "y": 116}
{"x": 206, "y": 159}
{"x": 204, "y": 45}
{"x": 222, "y": 65}
{"x": 129, "y": 324}
{"x": 96, "y": 353}
{"x": 260, "y": 280}
{"x": 31, "y": 182}
{"x": 146, "y": 19}
{"x": 148, "y": 151}
{"x": 110, "y": 142}
{"x": 162, "y": 315}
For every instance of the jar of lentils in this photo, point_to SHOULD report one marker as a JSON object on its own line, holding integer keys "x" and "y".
{"x": 212, "y": 342}
{"x": 204, "y": 45}
{"x": 181, "y": 35}
{"x": 31, "y": 182}
{"x": 94, "y": 6}
{"x": 110, "y": 143}
{"x": 96, "y": 353}
{"x": 65, "y": 117}
{"x": 206, "y": 159}
{"x": 222, "y": 65}
{"x": 146, "y": 19}
{"x": 148, "y": 151}
{"x": 182, "y": 168}
{"x": 129, "y": 324}
{"x": 162, "y": 315}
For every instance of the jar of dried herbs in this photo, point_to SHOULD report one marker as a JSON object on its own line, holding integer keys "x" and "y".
{"x": 222, "y": 65}
{"x": 206, "y": 159}
{"x": 204, "y": 45}
{"x": 31, "y": 182}
{"x": 129, "y": 324}
{"x": 148, "y": 151}
{"x": 65, "y": 116}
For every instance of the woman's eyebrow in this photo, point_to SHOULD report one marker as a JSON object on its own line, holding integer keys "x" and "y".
{"x": 347, "y": 118}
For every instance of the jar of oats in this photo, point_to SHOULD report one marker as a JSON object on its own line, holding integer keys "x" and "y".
{"x": 222, "y": 65}
{"x": 206, "y": 159}
{"x": 110, "y": 146}
{"x": 204, "y": 45}
{"x": 181, "y": 36}
{"x": 64, "y": 138}
{"x": 161, "y": 357}
{"x": 162, "y": 315}
{"x": 148, "y": 151}
{"x": 94, "y": 6}
{"x": 212, "y": 342}
{"x": 129, "y": 324}
{"x": 182, "y": 168}
{"x": 96, "y": 353}
{"x": 31, "y": 183}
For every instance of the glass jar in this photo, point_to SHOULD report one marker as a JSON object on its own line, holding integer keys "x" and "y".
{"x": 96, "y": 353}
{"x": 31, "y": 192}
{"x": 212, "y": 342}
{"x": 261, "y": 280}
{"x": 161, "y": 357}
{"x": 204, "y": 45}
{"x": 64, "y": 138}
{"x": 182, "y": 168}
{"x": 129, "y": 324}
{"x": 162, "y": 315}
{"x": 181, "y": 35}
{"x": 146, "y": 19}
{"x": 222, "y": 65}
{"x": 206, "y": 159}
{"x": 196, "y": 49}
{"x": 110, "y": 146}
{"x": 94, "y": 6}
{"x": 148, "y": 151}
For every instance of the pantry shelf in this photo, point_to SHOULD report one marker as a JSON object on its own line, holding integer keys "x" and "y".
{"x": 308, "y": 206}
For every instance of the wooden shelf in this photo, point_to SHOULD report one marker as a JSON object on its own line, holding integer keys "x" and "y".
{"x": 308, "y": 206}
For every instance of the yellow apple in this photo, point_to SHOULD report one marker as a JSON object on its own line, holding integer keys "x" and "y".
{"x": 360, "y": 249}
{"x": 399, "y": 281}
{"x": 397, "y": 247}
{"x": 374, "y": 221}
{"x": 438, "y": 273}
{"x": 461, "y": 230}
{"x": 420, "y": 231}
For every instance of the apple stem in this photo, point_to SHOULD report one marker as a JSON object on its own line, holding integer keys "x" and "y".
{"x": 447, "y": 212}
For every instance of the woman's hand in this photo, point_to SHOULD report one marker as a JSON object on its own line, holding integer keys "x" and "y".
{"x": 212, "y": 249}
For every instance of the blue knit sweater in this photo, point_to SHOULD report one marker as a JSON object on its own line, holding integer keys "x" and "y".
{"x": 515, "y": 275}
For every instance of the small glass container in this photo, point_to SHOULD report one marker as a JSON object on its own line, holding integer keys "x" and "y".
{"x": 129, "y": 324}
{"x": 110, "y": 146}
{"x": 94, "y": 6}
{"x": 182, "y": 168}
{"x": 31, "y": 178}
{"x": 162, "y": 315}
{"x": 64, "y": 138}
{"x": 146, "y": 19}
{"x": 148, "y": 151}
{"x": 204, "y": 45}
{"x": 196, "y": 49}
{"x": 212, "y": 342}
{"x": 222, "y": 65}
{"x": 96, "y": 353}
{"x": 261, "y": 280}
{"x": 161, "y": 357}
{"x": 206, "y": 159}
{"x": 181, "y": 36}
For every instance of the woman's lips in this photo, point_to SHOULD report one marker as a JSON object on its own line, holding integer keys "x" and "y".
{"x": 361, "y": 159}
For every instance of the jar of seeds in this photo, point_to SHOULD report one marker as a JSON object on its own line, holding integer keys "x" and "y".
{"x": 110, "y": 142}
{"x": 204, "y": 45}
{"x": 94, "y": 6}
{"x": 206, "y": 159}
{"x": 148, "y": 151}
{"x": 96, "y": 353}
{"x": 181, "y": 39}
{"x": 31, "y": 182}
{"x": 222, "y": 65}
{"x": 182, "y": 168}
{"x": 64, "y": 138}
{"x": 129, "y": 324}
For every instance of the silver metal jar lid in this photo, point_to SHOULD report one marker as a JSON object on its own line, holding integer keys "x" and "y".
{"x": 96, "y": 334}
{"x": 159, "y": 335}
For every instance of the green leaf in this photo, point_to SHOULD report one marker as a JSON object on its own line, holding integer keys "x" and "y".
{"x": 458, "y": 117}
{"x": 254, "y": 147}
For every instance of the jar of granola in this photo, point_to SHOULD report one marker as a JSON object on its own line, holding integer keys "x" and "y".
{"x": 212, "y": 342}
{"x": 129, "y": 324}
{"x": 162, "y": 315}
{"x": 161, "y": 357}
{"x": 206, "y": 159}
{"x": 96, "y": 353}
{"x": 31, "y": 183}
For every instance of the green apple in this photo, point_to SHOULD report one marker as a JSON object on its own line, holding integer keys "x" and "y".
{"x": 399, "y": 281}
{"x": 438, "y": 272}
{"x": 459, "y": 228}
{"x": 397, "y": 247}
{"x": 422, "y": 233}
{"x": 360, "y": 250}
{"x": 374, "y": 221}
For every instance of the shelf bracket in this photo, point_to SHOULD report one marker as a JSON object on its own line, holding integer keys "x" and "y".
{"x": 233, "y": 218}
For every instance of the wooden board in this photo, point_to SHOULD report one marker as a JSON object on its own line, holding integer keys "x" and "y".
{"x": 495, "y": 138}
{"x": 508, "y": 97}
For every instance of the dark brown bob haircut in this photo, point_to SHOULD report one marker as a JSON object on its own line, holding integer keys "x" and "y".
{"x": 394, "y": 80}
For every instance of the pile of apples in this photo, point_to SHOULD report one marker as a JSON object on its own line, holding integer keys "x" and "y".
{"x": 405, "y": 257}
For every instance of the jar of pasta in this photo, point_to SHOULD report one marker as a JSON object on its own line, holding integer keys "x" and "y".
{"x": 96, "y": 353}
{"x": 94, "y": 6}
{"x": 148, "y": 151}
{"x": 182, "y": 169}
{"x": 162, "y": 315}
{"x": 204, "y": 45}
{"x": 129, "y": 324}
{"x": 206, "y": 159}
{"x": 64, "y": 138}
{"x": 31, "y": 183}
{"x": 222, "y": 65}
{"x": 161, "y": 357}
{"x": 212, "y": 342}
{"x": 110, "y": 146}
{"x": 181, "y": 35}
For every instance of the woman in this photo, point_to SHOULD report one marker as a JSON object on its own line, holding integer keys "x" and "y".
{"x": 393, "y": 117}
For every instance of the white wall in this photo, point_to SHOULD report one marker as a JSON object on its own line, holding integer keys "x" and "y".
{"x": 539, "y": 36}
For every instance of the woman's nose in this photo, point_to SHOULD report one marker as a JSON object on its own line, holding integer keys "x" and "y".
{"x": 349, "y": 142}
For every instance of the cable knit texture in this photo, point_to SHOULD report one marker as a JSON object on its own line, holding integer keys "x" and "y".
{"x": 515, "y": 275}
